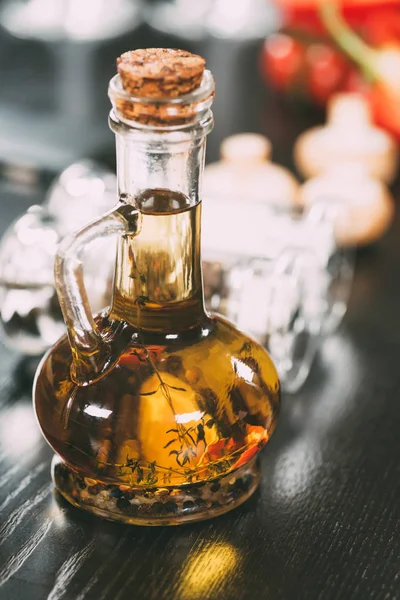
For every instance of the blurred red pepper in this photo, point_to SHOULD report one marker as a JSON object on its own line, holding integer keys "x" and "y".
{"x": 305, "y": 13}
{"x": 297, "y": 66}
{"x": 381, "y": 67}
{"x": 385, "y": 92}
{"x": 383, "y": 27}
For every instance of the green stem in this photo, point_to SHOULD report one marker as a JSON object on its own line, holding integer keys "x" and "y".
{"x": 347, "y": 39}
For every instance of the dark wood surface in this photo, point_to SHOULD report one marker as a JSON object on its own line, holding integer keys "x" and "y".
{"x": 325, "y": 521}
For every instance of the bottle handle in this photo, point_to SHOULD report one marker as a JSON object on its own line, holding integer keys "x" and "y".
{"x": 91, "y": 352}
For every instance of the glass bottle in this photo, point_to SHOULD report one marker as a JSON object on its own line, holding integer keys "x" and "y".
{"x": 156, "y": 410}
{"x": 30, "y": 316}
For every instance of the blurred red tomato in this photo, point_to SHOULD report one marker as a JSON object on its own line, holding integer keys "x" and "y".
{"x": 326, "y": 71}
{"x": 282, "y": 60}
{"x": 313, "y": 70}
{"x": 354, "y": 81}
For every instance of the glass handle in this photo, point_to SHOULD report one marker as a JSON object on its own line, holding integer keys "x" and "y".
{"x": 91, "y": 353}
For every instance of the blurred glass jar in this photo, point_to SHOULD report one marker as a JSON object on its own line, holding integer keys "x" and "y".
{"x": 82, "y": 192}
{"x": 60, "y": 20}
{"x": 30, "y": 315}
{"x": 29, "y": 312}
{"x": 194, "y": 20}
{"x": 276, "y": 271}
{"x": 245, "y": 169}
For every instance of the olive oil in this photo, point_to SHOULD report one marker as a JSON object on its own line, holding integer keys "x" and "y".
{"x": 172, "y": 430}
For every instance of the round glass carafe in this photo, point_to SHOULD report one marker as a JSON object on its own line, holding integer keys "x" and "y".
{"x": 157, "y": 410}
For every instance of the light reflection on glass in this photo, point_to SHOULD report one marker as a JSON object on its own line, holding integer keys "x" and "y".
{"x": 97, "y": 411}
{"x": 187, "y": 417}
{"x": 242, "y": 370}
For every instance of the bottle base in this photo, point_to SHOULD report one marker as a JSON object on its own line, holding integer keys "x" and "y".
{"x": 157, "y": 505}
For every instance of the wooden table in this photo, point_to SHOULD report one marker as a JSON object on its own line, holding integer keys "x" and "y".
{"x": 325, "y": 521}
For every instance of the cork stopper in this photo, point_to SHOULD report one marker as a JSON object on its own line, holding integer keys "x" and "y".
{"x": 157, "y": 86}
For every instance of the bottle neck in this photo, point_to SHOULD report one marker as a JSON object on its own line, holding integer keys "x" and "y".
{"x": 158, "y": 279}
